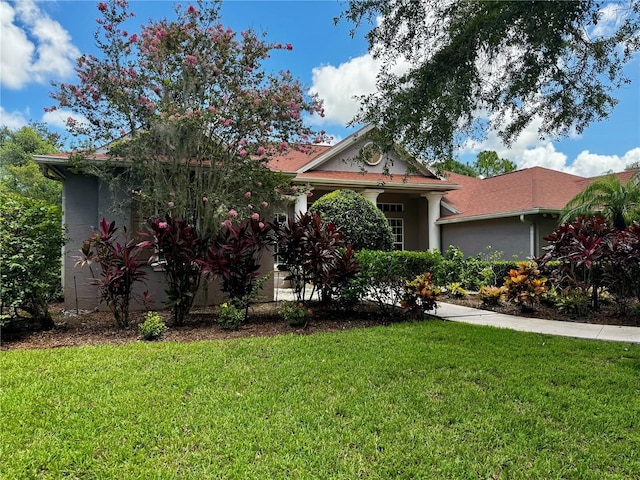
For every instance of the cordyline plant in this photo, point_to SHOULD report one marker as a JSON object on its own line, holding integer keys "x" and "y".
{"x": 576, "y": 254}
{"x": 187, "y": 107}
{"x": 119, "y": 268}
{"x": 177, "y": 245}
{"x": 234, "y": 256}
{"x": 622, "y": 270}
{"x": 314, "y": 252}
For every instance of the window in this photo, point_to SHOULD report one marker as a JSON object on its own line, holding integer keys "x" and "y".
{"x": 397, "y": 227}
{"x": 391, "y": 207}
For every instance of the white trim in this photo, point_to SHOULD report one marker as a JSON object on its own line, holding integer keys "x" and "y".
{"x": 330, "y": 182}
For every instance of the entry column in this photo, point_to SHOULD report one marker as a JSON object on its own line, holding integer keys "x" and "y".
{"x": 434, "y": 199}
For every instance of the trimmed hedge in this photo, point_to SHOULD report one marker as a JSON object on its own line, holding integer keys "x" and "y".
{"x": 363, "y": 225}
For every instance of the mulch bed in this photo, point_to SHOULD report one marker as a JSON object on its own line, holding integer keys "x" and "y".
{"x": 98, "y": 327}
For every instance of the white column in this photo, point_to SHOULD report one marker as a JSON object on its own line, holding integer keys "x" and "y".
{"x": 372, "y": 194}
{"x": 301, "y": 204}
{"x": 434, "y": 199}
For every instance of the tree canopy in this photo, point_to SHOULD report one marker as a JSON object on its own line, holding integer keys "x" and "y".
{"x": 487, "y": 164}
{"x": 480, "y": 65}
{"x": 18, "y": 171}
{"x": 187, "y": 104}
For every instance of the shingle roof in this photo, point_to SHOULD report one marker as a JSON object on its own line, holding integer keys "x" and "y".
{"x": 530, "y": 189}
{"x": 293, "y": 160}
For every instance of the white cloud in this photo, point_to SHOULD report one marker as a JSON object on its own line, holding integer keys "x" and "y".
{"x": 12, "y": 120}
{"x": 609, "y": 19}
{"x": 338, "y": 86}
{"x": 58, "y": 118}
{"x": 589, "y": 164}
{"x": 34, "y": 48}
{"x": 541, "y": 156}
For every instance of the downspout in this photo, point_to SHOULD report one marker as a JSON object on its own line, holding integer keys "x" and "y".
{"x": 532, "y": 236}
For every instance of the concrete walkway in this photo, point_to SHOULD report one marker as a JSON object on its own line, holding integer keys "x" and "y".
{"x": 612, "y": 333}
{"x": 457, "y": 313}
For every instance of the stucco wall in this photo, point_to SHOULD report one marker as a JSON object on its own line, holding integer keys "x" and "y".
{"x": 86, "y": 201}
{"x": 344, "y": 162}
{"x": 508, "y": 235}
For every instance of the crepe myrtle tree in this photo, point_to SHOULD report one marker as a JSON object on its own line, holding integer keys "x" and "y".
{"x": 187, "y": 107}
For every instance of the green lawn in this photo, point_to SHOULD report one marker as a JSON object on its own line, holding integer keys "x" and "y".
{"x": 415, "y": 400}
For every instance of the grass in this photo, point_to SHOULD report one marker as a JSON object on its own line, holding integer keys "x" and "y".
{"x": 414, "y": 400}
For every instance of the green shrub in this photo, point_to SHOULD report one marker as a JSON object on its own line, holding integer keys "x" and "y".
{"x": 573, "y": 302}
{"x": 153, "y": 327}
{"x": 30, "y": 266}
{"x": 295, "y": 313}
{"x": 382, "y": 276}
{"x": 361, "y": 222}
{"x": 230, "y": 317}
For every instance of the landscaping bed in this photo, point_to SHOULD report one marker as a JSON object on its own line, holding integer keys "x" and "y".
{"x": 607, "y": 314}
{"x": 98, "y": 327}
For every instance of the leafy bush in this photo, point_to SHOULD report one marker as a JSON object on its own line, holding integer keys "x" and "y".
{"x": 177, "y": 244}
{"x": 153, "y": 327}
{"x": 314, "y": 252}
{"x": 572, "y": 302}
{"x": 364, "y": 226}
{"x": 455, "y": 290}
{"x": 420, "y": 296}
{"x": 234, "y": 256}
{"x": 525, "y": 286}
{"x": 231, "y": 317}
{"x": 295, "y": 313}
{"x": 119, "y": 265}
{"x": 491, "y": 296}
{"x": 30, "y": 242}
{"x": 580, "y": 250}
{"x": 382, "y": 276}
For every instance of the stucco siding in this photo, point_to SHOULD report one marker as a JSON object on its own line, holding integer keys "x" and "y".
{"x": 344, "y": 162}
{"x": 86, "y": 202}
{"x": 508, "y": 235}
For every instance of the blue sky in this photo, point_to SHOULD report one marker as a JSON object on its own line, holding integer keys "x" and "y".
{"x": 40, "y": 40}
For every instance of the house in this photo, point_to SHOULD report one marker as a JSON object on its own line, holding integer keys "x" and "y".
{"x": 512, "y": 213}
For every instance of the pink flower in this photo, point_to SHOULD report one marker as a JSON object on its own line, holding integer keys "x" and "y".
{"x": 228, "y": 122}
{"x": 265, "y": 204}
{"x": 294, "y": 188}
{"x": 288, "y": 46}
{"x": 243, "y": 153}
{"x": 309, "y": 194}
{"x": 122, "y": 133}
{"x": 255, "y": 216}
{"x": 233, "y": 213}
{"x": 133, "y": 38}
{"x": 102, "y": 6}
{"x": 261, "y": 150}
{"x": 191, "y": 60}
{"x": 259, "y": 184}
{"x": 162, "y": 225}
{"x": 250, "y": 207}
{"x": 247, "y": 194}
{"x": 261, "y": 225}
{"x": 192, "y": 10}
{"x": 171, "y": 204}
{"x": 205, "y": 199}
